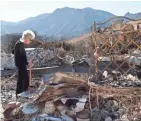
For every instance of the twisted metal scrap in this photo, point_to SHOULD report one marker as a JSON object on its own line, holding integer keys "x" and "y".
{"x": 129, "y": 98}
{"x": 117, "y": 17}
{"x": 125, "y": 94}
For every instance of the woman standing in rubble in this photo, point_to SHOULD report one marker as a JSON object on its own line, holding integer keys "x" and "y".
{"x": 21, "y": 61}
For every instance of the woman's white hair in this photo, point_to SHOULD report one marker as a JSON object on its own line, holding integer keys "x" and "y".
{"x": 28, "y": 32}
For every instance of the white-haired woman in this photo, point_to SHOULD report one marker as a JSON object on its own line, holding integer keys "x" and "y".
{"x": 21, "y": 61}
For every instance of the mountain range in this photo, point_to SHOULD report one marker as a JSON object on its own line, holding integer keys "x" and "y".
{"x": 68, "y": 22}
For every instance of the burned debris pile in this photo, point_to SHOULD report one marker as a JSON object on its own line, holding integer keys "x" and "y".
{"x": 110, "y": 91}
{"x": 72, "y": 97}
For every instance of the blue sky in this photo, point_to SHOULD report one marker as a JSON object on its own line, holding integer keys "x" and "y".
{"x": 19, "y": 10}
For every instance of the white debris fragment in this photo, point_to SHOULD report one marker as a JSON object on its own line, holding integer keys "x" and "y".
{"x": 131, "y": 77}
{"x": 26, "y": 94}
{"x": 80, "y": 105}
{"x": 29, "y": 109}
{"x": 105, "y": 74}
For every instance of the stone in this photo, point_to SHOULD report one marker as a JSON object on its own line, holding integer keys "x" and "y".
{"x": 104, "y": 113}
{"x": 108, "y": 119}
{"x": 12, "y": 105}
{"x": 96, "y": 115}
{"x": 114, "y": 115}
{"x": 29, "y": 109}
{"x": 49, "y": 107}
{"x": 85, "y": 114}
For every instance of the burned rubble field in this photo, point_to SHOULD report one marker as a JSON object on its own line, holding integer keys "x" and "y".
{"x": 116, "y": 79}
{"x": 66, "y": 98}
{"x": 8, "y": 87}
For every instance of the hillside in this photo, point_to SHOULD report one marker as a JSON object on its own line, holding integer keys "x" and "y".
{"x": 62, "y": 22}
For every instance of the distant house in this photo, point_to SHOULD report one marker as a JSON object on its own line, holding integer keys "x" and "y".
{"x": 136, "y": 24}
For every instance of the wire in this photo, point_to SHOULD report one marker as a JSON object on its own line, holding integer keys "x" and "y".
{"x": 118, "y": 17}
